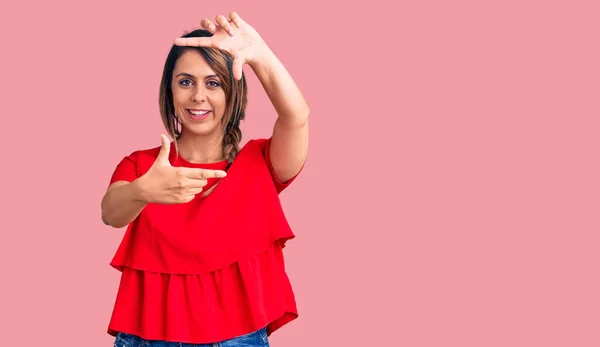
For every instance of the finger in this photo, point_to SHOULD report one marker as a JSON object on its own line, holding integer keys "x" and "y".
{"x": 224, "y": 23}
{"x": 208, "y": 25}
{"x": 237, "y": 66}
{"x": 163, "y": 154}
{"x": 236, "y": 19}
{"x": 195, "y": 191}
{"x": 195, "y": 183}
{"x": 188, "y": 198}
{"x": 194, "y": 41}
{"x": 202, "y": 173}
{"x": 209, "y": 190}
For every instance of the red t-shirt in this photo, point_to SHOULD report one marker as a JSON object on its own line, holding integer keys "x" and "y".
{"x": 211, "y": 269}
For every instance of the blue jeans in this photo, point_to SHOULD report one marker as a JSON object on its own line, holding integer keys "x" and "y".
{"x": 255, "y": 339}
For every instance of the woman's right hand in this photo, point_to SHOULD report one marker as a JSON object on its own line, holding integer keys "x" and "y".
{"x": 165, "y": 184}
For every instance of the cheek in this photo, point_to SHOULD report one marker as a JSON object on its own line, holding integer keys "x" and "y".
{"x": 223, "y": 101}
{"x": 219, "y": 103}
{"x": 177, "y": 98}
{"x": 179, "y": 95}
{"x": 178, "y": 104}
{"x": 222, "y": 110}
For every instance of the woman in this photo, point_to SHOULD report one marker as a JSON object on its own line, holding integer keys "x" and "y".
{"x": 202, "y": 259}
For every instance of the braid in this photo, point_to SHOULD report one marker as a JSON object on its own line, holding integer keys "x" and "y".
{"x": 231, "y": 142}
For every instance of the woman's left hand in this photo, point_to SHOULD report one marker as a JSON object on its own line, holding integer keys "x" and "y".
{"x": 234, "y": 36}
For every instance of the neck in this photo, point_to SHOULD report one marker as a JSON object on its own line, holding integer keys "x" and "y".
{"x": 200, "y": 149}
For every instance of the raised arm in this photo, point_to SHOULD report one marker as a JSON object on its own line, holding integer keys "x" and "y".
{"x": 289, "y": 143}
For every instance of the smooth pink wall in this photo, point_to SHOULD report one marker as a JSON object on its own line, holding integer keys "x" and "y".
{"x": 451, "y": 196}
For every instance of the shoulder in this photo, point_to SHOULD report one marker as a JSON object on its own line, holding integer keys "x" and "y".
{"x": 255, "y": 149}
{"x": 260, "y": 143}
{"x": 134, "y": 164}
{"x": 149, "y": 153}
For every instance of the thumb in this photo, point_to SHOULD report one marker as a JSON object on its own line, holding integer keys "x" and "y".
{"x": 237, "y": 66}
{"x": 163, "y": 155}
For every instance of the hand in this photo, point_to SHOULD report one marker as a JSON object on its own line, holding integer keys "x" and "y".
{"x": 166, "y": 184}
{"x": 234, "y": 36}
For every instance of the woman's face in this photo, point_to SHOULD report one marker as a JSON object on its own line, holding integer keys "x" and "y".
{"x": 198, "y": 97}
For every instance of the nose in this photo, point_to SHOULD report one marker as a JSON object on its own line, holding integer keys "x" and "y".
{"x": 199, "y": 95}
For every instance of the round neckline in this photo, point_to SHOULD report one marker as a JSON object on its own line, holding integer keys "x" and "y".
{"x": 177, "y": 158}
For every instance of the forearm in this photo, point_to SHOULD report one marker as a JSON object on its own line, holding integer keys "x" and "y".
{"x": 122, "y": 204}
{"x": 286, "y": 97}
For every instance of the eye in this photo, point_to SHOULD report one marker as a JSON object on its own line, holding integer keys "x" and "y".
{"x": 185, "y": 82}
{"x": 213, "y": 84}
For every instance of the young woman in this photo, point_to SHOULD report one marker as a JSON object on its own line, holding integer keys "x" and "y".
{"x": 201, "y": 261}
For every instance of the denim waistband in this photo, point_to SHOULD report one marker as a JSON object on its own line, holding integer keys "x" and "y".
{"x": 257, "y": 338}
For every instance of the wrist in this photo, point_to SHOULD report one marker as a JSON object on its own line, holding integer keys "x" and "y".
{"x": 140, "y": 191}
{"x": 263, "y": 58}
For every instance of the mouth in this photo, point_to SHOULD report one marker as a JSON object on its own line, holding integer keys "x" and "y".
{"x": 198, "y": 114}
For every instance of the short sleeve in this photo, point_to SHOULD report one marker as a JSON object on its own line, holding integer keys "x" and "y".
{"x": 126, "y": 170}
{"x": 279, "y": 185}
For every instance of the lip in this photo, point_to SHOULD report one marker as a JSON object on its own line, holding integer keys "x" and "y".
{"x": 195, "y": 117}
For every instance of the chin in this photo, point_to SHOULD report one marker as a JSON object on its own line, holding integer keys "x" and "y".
{"x": 201, "y": 129}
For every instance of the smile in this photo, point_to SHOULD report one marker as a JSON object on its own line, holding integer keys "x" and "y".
{"x": 198, "y": 114}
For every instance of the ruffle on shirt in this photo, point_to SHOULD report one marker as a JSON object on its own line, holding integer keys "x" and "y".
{"x": 241, "y": 298}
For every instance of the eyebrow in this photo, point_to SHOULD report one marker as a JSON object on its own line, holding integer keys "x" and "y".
{"x": 192, "y": 76}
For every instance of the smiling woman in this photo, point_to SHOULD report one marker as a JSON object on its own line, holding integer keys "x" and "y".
{"x": 198, "y": 96}
{"x": 201, "y": 260}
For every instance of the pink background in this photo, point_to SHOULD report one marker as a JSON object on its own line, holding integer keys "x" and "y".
{"x": 451, "y": 196}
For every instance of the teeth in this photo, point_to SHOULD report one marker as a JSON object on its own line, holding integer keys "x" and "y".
{"x": 198, "y": 113}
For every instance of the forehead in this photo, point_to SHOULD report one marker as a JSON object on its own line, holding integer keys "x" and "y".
{"x": 193, "y": 63}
